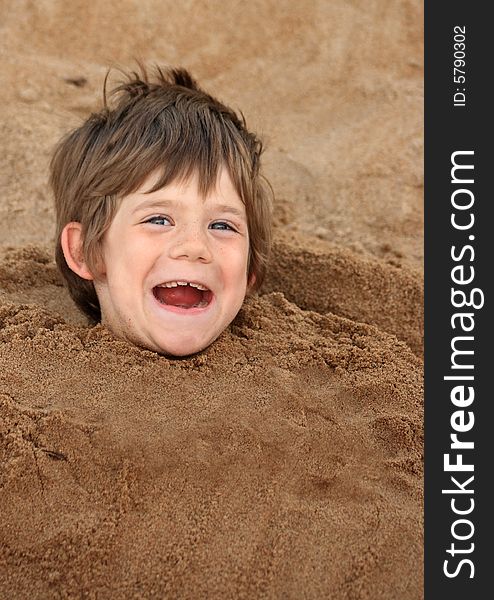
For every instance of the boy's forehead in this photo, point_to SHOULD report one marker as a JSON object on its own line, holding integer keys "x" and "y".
{"x": 223, "y": 196}
{"x": 182, "y": 188}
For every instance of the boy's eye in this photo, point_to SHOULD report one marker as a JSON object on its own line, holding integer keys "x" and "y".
{"x": 222, "y": 226}
{"x": 159, "y": 220}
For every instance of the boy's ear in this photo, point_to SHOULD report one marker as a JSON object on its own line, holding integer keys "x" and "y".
{"x": 71, "y": 241}
{"x": 250, "y": 282}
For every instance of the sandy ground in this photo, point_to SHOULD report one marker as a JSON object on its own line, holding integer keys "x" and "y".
{"x": 286, "y": 460}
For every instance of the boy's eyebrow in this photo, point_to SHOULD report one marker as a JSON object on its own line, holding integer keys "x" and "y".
{"x": 170, "y": 203}
{"x": 153, "y": 204}
{"x": 230, "y": 209}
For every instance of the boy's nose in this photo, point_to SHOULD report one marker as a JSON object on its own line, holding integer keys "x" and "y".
{"x": 190, "y": 245}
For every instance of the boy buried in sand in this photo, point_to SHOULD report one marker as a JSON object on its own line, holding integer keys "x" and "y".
{"x": 163, "y": 216}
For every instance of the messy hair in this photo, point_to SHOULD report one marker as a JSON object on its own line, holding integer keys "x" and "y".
{"x": 166, "y": 124}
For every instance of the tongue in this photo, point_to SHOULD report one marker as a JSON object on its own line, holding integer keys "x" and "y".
{"x": 182, "y": 295}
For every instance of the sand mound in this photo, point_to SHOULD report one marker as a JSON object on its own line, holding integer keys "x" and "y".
{"x": 285, "y": 461}
{"x": 294, "y": 439}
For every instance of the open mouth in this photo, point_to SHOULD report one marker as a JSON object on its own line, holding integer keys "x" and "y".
{"x": 183, "y": 294}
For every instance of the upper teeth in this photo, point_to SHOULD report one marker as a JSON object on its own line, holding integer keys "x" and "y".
{"x": 170, "y": 284}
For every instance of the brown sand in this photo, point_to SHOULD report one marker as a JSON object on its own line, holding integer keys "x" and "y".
{"x": 286, "y": 460}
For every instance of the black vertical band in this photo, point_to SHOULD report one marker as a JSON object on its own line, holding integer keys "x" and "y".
{"x": 459, "y": 250}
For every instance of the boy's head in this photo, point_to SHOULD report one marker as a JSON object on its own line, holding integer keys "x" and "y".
{"x": 163, "y": 216}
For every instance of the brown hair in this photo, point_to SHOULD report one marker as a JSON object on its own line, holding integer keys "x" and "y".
{"x": 167, "y": 124}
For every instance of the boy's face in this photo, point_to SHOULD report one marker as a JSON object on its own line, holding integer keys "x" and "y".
{"x": 175, "y": 235}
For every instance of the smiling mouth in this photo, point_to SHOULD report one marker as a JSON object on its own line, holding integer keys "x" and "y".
{"x": 183, "y": 294}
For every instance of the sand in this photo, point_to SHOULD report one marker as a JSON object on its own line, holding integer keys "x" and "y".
{"x": 285, "y": 461}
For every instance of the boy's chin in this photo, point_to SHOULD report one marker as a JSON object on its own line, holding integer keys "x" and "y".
{"x": 180, "y": 348}
{"x": 174, "y": 347}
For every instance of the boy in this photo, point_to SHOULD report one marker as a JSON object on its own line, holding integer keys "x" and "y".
{"x": 163, "y": 216}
